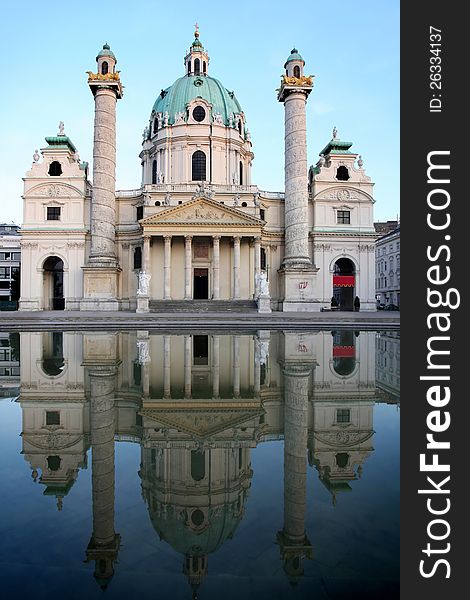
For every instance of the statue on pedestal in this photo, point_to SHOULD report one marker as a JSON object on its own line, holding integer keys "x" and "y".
{"x": 144, "y": 280}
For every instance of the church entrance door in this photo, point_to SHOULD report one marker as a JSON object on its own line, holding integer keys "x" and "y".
{"x": 201, "y": 284}
{"x": 54, "y": 283}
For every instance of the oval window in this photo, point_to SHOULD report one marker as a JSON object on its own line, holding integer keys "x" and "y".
{"x": 199, "y": 114}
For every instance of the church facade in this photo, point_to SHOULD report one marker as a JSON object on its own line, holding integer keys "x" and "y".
{"x": 197, "y": 231}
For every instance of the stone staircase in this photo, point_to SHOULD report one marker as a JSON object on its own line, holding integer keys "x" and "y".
{"x": 174, "y": 306}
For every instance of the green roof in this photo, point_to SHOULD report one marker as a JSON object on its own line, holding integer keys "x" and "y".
{"x": 61, "y": 141}
{"x": 106, "y": 51}
{"x": 294, "y": 55}
{"x": 336, "y": 146}
{"x": 185, "y": 89}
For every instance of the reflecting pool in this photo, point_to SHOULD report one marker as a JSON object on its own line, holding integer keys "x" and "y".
{"x": 259, "y": 465}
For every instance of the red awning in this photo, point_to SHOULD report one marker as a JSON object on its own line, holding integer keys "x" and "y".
{"x": 344, "y": 352}
{"x": 343, "y": 280}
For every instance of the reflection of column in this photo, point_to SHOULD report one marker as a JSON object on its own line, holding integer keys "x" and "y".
{"x": 215, "y": 267}
{"x": 187, "y": 266}
{"x": 236, "y": 267}
{"x": 257, "y": 264}
{"x": 215, "y": 366}
{"x": 104, "y": 544}
{"x": 257, "y": 369}
{"x": 236, "y": 366}
{"x": 292, "y": 539}
{"x": 166, "y": 366}
{"x": 167, "y": 268}
{"x": 187, "y": 366}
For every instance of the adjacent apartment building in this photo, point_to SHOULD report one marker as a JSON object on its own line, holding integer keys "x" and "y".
{"x": 10, "y": 259}
{"x": 387, "y": 268}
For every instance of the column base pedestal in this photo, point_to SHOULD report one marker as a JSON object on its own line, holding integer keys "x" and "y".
{"x": 142, "y": 304}
{"x": 297, "y": 288}
{"x": 100, "y": 288}
{"x": 264, "y": 304}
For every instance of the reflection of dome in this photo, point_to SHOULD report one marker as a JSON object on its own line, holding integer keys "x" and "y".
{"x": 185, "y": 89}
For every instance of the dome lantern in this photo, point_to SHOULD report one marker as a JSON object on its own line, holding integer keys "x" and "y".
{"x": 196, "y": 61}
{"x": 106, "y": 60}
{"x": 294, "y": 64}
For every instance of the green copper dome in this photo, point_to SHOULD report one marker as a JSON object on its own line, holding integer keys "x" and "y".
{"x": 185, "y": 89}
{"x": 106, "y": 51}
{"x": 294, "y": 55}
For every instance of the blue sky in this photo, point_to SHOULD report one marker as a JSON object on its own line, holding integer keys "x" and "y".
{"x": 352, "y": 48}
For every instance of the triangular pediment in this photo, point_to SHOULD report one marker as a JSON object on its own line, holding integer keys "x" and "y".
{"x": 201, "y": 211}
{"x": 202, "y": 423}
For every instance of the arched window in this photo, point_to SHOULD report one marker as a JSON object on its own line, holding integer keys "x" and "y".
{"x": 155, "y": 126}
{"x": 55, "y": 168}
{"x": 197, "y": 66}
{"x": 204, "y": 67}
{"x": 154, "y": 171}
{"x": 198, "y": 166}
{"x": 241, "y": 173}
{"x": 189, "y": 67}
{"x": 342, "y": 174}
{"x": 198, "y": 465}
{"x": 104, "y": 68}
{"x": 138, "y": 258}
{"x": 342, "y": 459}
{"x": 297, "y": 71}
{"x": 53, "y": 463}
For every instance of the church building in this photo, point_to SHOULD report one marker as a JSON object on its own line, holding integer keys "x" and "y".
{"x": 197, "y": 234}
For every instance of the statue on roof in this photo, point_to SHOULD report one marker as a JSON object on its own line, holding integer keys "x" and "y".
{"x": 61, "y": 128}
{"x": 335, "y": 133}
{"x": 36, "y": 156}
{"x": 360, "y": 162}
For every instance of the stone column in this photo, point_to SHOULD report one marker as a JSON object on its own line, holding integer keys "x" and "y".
{"x": 166, "y": 366}
{"x": 296, "y": 182}
{"x": 187, "y": 266}
{"x": 167, "y": 268}
{"x": 103, "y": 204}
{"x": 102, "y": 259}
{"x": 257, "y": 263}
{"x": 215, "y": 366}
{"x": 297, "y": 273}
{"x": 146, "y": 254}
{"x": 236, "y": 366}
{"x": 292, "y": 539}
{"x": 236, "y": 267}
{"x": 187, "y": 366}
{"x": 216, "y": 267}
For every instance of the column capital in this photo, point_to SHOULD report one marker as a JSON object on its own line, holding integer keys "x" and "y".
{"x": 188, "y": 238}
{"x": 147, "y": 237}
{"x": 216, "y": 238}
{"x": 167, "y": 237}
{"x": 236, "y": 239}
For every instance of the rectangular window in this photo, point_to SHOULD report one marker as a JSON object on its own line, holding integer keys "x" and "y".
{"x": 344, "y": 217}
{"x": 4, "y": 272}
{"x": 52, "y": 417}
{"x": 16, "y": 256}
{"x": 343, "y": 415}
{"x": 140, "y": 213}
{"x": 5, "y": 255}
{"x": 53, "y": 213}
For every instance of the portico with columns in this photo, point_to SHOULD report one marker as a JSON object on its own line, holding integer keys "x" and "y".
{"x": 202, "y": 250}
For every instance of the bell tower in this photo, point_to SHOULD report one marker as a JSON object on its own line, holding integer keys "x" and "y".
{"x": 102, "y": 270}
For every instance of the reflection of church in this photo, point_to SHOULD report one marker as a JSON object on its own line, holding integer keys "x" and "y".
{"x": 196, "y": 228}
{"x": 197, "y": 405}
